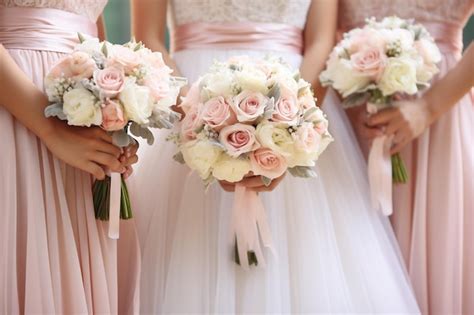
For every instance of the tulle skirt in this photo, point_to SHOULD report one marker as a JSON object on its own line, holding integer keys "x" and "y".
{"x": 333, "y": 252}
{"x": 434, "y": 212}
{"x": 55, "y": 257}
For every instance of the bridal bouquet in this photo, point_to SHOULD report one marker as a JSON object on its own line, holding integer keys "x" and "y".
{"x": 253, "y": 117}
{"x": 124, "y": 89}
{"x": 379, "y": 62}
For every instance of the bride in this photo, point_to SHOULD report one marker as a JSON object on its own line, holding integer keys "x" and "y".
{"x": 333, "y": 252}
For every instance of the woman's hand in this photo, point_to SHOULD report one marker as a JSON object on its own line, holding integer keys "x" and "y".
{"x": 358, "y": 117}
{"x": 406, "y": 121}
{"x": 88, "y": 149}
{"x": 128, "y": 158}
{"x": 252, "y": 182}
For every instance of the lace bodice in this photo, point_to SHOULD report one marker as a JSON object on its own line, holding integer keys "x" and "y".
{"x": 292, "y": 12}
{"x": 353, "y": 12}
{"x": 90, "y": 8}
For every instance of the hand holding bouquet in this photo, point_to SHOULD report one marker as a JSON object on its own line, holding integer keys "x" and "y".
{"x": 121, "y": 88}
{"x": 378, "y": 63}
{"x": 250, "y": 117}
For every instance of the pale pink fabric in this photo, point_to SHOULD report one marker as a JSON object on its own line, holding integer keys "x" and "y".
{"x": 238, "y": 35}
{"x": 55, "y": 257}
{"x": 434, "y": 212}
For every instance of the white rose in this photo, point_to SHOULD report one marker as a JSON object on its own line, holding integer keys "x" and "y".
{"x": 399, "y": 76}
{"x": 393, "y": 22}
{"x": 137, "y": 102}
{"x": 231, "y": 169}
{"x": 81, "y": 108}
{"x": 218, "y": 83}
{"x": 343, "y": 77}
{"x": 90, "y": 46}
{"x": 271, "y": 136}
{"x": 402, "y": 36}
{"x": 201, "y": 156}
{"x": 251, "y": 79}
{"x": 428, "y": 50}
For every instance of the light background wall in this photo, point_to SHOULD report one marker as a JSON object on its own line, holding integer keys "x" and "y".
{"x": 117, "y": 19}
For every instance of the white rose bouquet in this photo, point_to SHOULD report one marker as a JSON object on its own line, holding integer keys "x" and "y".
{"x": 379, "y": 62}
{"x": 124, "y": 89}
{"x": 254, "y": 117}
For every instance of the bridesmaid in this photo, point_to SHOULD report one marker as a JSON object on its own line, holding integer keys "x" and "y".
{"x": 434, "y": 212}
{"x": 56, "y": 258}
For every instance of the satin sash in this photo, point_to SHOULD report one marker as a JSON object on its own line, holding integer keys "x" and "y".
{"x": 238, "y": 35}
{"x": 42, "y": 29}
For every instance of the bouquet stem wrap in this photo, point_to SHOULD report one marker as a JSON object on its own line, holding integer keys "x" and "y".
{"x": 114, "y": 210}
{"x": 249, "y": 225}
{"x": 380, "y": 175}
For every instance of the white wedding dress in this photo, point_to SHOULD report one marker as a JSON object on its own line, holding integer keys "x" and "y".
{"x": 333, "y": 252}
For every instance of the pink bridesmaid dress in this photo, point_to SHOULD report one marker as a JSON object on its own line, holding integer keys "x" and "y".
{"x": 55, "y": 257}
{"x": 434, "y": 212}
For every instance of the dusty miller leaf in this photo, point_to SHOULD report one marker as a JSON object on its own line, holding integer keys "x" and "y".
{"x": 266, "y": 181}
{"x": 120, "y": 138}
{"x": 142, "y": 132}
{"x": 55, "y": 110}
{"x": 302, "y": 171}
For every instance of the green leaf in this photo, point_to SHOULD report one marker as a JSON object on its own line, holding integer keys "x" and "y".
{"x": 105, "y": 50}
{"x": 81, "y": 38}
{"x": 355, "y": 100}
{"x": 120, "y": 138}
{"x": 302, "y": 171}
{"x": 142, "y": 132}
{"x": 178, "y": 157}
{"x": 266, "y": 181}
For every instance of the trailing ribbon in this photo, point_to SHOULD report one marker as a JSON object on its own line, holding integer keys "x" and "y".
{"x": 249, "y": 226}
{"x": 114, "y": 210}
{"x": 380, "y": 175}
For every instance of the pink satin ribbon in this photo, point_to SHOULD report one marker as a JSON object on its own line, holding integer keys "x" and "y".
{"x": 42, "y": 29}
{"x": 249, "y": 226}
{"x": 239, "y": 35}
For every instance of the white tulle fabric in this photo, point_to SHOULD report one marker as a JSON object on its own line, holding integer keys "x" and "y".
{"x": 90, "y": 8}
{"x": 292, "y": 12}
{"x": 333, "y": 252}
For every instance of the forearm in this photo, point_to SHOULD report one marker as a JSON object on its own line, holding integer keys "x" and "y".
{"x": 446, "y": 92}
{"x": 313, "y": 64}
{"x": 21, "y": 97}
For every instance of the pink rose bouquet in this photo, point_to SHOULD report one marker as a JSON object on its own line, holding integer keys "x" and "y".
{"x": 379, "y": 62}
{"x": 124, "y": 89}
{"x": 254, "y": 117}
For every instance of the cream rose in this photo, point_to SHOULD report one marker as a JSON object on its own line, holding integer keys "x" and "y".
{"x": 252, "y": 79}
{"x": 231, "y": 169}
{"x": 201, "y": 156}
{"x": 399, "y": 76}
{"x": 81, "y": 108}
{"x": 217, "y": 113}
{"x": 137, "y": 102}
{"x": 343, "y": 77}
{"x": 238, "y": 139}
{"x": 306, "y": 138}
{"x": 267, "y": 163}
{"x": 248, "y": 106}
{"x": 218, "y": 83}
{"x": 123, "y": 57}
{"x": 271, "y": 136}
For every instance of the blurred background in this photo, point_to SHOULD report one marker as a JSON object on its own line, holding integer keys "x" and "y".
{"x": 117, "y": 20}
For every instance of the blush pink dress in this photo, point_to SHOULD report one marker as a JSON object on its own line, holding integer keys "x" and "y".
{"x": 434, "y": 212}
{"x": 55, "y": 258}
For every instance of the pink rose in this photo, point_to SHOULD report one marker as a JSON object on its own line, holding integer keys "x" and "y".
{"x": 248, "y": 106}
{"x": 77, "y": 65}
{"x": 370, "y": 62}
{"x": 124, "y": 58}
{"x": 307, "y": 138}
{"x": 217, "y": 113}
{"x": 286, "y": 108}
{"x": 267, "y": 163}
{"x": 365, "y": 38}
{"x": 113, "y": 117}
{"x": 238, "y": 139}
{"x": 110, "y": 80}
{"x": 159, "y": 86}
{"x": 192, "y": 97}
{"x": 190, "y": 123}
